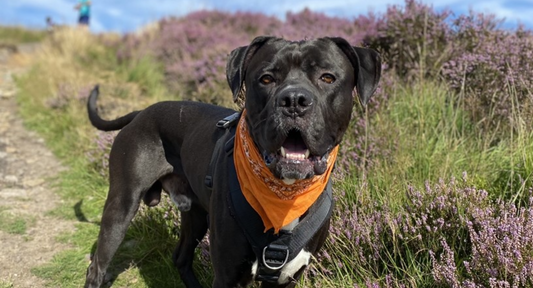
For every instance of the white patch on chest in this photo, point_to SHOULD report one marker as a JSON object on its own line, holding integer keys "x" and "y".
{"x": 288, "y": 271}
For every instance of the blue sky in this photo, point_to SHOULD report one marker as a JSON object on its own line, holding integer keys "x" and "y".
{"x": 128, "y": 15}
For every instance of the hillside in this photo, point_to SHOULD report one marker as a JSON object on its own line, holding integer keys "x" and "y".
{"x": 434, "y": 185}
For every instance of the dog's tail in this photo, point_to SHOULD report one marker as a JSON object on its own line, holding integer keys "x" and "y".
{"x": 102, "y": 124}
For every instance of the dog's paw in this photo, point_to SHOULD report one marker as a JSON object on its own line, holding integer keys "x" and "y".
{"x": 182, "y": 202}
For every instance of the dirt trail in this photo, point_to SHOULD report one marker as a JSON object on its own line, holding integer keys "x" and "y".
{"x": 26, "y": 167}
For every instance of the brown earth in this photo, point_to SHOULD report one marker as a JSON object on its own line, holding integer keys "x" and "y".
{"x": 27, "y": 170}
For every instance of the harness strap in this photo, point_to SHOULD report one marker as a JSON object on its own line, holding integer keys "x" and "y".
{"x": 273, "y": 251}
{"x": 228, "y": 123}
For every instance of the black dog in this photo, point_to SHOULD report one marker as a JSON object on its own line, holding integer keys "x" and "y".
{"x": 297, "y": 94}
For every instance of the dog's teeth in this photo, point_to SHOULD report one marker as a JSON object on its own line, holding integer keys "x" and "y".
{"x": 289, "y": 181}
{"x": 294, "y": 156}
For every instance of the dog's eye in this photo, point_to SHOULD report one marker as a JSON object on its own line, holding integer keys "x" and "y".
{"x": 327, "y": 78}
{"x": 266, "y": 79}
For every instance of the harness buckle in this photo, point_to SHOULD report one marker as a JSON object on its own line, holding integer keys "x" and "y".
{"x": 275, "y": 256}
{"x": 228, "y": 121}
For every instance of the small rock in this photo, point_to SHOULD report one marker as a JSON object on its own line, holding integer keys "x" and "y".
{"x": 7, "y": 94}
{"x": 11, "y": 179}
{"x": 33, "y": 182}
{"x": 13, "y": 193}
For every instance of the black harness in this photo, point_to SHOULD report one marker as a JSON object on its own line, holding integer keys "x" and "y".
{"x": 273, "y": 251}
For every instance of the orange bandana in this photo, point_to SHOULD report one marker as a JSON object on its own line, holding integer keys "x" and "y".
{"x": 277, "y": 203}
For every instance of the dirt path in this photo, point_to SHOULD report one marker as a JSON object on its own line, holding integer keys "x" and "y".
{"x": 26, "y": 193}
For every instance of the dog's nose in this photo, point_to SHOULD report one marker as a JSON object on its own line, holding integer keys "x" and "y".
{"x": 294, "y": 102}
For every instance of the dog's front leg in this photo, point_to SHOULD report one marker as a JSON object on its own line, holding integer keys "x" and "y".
{"x": 231, "y": 254}
{"x": 193, "y": 229}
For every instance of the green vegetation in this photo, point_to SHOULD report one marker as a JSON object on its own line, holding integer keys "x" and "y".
{"x": 431, "y": 172}
{"x": 432, "y": 138}
{"x": 421, "y": 182}
{"x": 52, "y": 100}
{"x": 19, "y": 35}
{"x": 4, "y": 284}
{"x": 13, "y": 224}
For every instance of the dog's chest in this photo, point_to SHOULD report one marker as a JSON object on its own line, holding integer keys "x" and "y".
{"x": 287, "y": 272}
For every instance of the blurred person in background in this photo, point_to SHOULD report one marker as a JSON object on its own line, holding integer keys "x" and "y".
{"x": 50, "y": 24}
{"x": 84, "y": 9}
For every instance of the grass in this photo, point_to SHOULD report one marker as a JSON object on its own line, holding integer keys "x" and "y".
{"x": 19, "y": 35}
{"x": 145, "y": 258}
{"x": 424, "y": 126}
{"x": 5, "y": 284}
{"x": 14, "y": 224}
{"x": 432, "y": 139}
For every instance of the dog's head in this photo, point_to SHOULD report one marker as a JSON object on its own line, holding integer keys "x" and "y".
{"x": 299, "y": 97}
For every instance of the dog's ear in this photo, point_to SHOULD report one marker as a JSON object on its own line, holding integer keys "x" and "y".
{"x": 367, "y": 67}
{"x": 238, "y": 62}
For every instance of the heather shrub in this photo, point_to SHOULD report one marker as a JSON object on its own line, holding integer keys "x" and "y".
{"x": 488, "y": 66}
{"x": 99, "y": 155}
{"x": 502, "y": 245}
{"x": 492, "y": 69}
{"x": 449, "y": 229}
{"x": 67, "y": 94}
{"x": 372, "y": 239}
{"x": 501, "y": 238}
{"x": 388, "y": 219}
{"x": 194, "y": 48}
{"x": 413, "y": 40}
{"x": 308, "y": 25}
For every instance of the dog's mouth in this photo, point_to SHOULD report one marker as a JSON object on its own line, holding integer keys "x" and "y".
{"x": 294, "y": 148}
{"x": 294, "y": 161}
